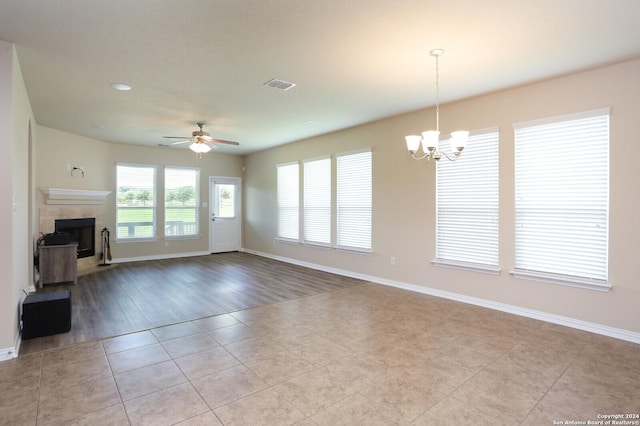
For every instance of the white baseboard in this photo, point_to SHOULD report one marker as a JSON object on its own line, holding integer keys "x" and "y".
{"x": 591, "y": 327}
{"x": 11, "y": 353}
{"x": 7, "y": 354}
{"x": 159, "y": 257}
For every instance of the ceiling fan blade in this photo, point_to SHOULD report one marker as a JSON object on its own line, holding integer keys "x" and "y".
{"x": 169, "y": 145}
{"x": 225, "y": 142}
{"x": 177, "y": 137}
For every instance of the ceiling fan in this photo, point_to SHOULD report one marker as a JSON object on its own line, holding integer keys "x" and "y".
{"x": 200, "y": 140}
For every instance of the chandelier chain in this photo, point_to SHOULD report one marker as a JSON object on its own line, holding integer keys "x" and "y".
{"x": 437, "y": 94}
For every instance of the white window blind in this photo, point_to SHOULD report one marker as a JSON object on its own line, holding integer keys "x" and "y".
{"x": 354, "y": 198}
{"x": 562, "y": 198}
{"x": 288, "y": 201}
{"x": 467, "y": 190}
{"x": 181, "y": 202}
{"x": 317, "y": 201}
{"x": 135, "y": 201}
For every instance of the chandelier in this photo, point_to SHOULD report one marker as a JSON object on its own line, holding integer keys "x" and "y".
{"x": 430, "y": 138}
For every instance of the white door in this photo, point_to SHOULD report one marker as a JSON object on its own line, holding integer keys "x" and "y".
{"x": 224, "y": 214}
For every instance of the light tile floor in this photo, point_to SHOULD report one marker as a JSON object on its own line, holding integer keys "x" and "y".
{"x": 366, "y": 355}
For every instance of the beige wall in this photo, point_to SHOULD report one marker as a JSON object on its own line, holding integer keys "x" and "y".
{"x": 15, "y": 248}
{"x": 22, "y": 242}
{"x": 57, "y": 149}
{"x": 404, "y": 197}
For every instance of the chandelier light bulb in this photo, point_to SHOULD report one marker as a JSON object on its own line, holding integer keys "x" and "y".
{"x": 430, "y": 140}
{"x": 413, "y": 143}
{"x": 459, "y": 139}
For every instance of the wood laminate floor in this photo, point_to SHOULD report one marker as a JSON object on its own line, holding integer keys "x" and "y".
{"x": 128, "y": 297}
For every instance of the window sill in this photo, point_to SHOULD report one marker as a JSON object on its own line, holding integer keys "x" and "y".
{"x": 135, "y": 240}
{"x": 467, "y": 266}
{"x": 181, "y": 237}
{"x": 563, "y": 280}
{"x": 280, "y": 240}
{"x": 316, "y": 245}
{"x": 355, "y": 250}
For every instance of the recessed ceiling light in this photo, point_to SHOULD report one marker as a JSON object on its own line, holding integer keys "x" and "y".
{"x": 121, "y": 86}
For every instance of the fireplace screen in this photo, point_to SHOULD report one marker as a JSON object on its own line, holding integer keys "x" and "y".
{"x": 82, "y": 231}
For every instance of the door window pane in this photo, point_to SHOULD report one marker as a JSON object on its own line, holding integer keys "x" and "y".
{"x": 225, "y": 201}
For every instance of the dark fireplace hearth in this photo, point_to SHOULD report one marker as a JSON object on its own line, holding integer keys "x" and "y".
{"x": 82, "y": 231}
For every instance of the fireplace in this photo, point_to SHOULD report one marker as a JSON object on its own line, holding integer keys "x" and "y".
{"x": 82, "y": 231}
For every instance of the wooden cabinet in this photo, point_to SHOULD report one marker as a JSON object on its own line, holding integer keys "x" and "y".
{"x": 58, "y": 264}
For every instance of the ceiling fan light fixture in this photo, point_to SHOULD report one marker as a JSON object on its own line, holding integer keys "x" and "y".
{"x": 200, "y": 147}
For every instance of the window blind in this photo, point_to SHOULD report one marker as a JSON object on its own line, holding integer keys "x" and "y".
{"x": 562, "y": 197}
{"x": 135, "y": 201}
{"x": 181, "y": 202}
{"x": 354, "y": 198}
{"x": 467, "y": 190}
{"x": 317, "y": 201}
{"x": 288, "y": 201}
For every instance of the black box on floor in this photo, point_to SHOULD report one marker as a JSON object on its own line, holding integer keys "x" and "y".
{"x": 46, "y": 314}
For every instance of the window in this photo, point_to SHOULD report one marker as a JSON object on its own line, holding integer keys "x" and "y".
{"x": 135, "y": 201}
{"x": 288, "y": 201}
{"x": 562, "y": 198}
{"x": 467, "y": 233}
{"x": 181, "y": 202}
{"x": 317, "y": 201}
{"x": 354, "y": 188}
{"x": 225, "y": 205}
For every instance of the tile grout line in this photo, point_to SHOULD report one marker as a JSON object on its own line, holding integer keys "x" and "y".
{"x": 554, "y": 382}
{"x": 113, "y": 376}
{"x": 39, "y": 388}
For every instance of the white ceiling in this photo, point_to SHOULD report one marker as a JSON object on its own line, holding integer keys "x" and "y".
{"x": 353, "y": 61}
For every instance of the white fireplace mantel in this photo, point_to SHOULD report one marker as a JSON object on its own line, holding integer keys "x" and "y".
{"x": 74, "y": 196}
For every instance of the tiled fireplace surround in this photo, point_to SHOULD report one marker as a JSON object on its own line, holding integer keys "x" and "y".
{"x": 49, "y": 213}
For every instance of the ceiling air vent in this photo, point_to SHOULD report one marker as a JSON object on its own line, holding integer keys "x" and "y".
{"x": 279, "y": 84}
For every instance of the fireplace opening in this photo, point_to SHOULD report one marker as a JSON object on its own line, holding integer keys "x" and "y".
{"x": 81, "y": 231}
